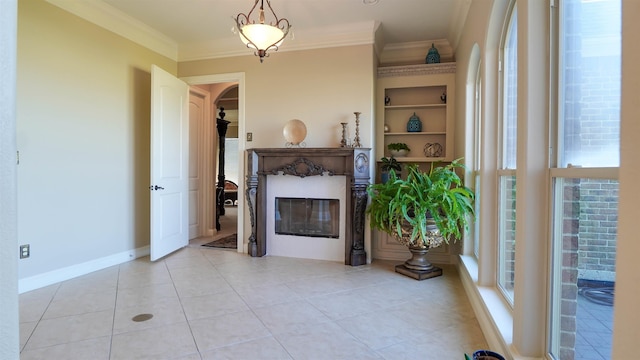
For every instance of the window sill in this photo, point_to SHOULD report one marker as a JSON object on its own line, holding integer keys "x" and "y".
{"x": 493, "y": 314}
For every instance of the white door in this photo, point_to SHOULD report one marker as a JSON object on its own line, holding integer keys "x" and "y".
{"x": 169, "y": 163}
{"x": 198, "y": 113}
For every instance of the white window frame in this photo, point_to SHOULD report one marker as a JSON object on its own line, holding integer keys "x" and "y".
{"x": 502, "y": 171}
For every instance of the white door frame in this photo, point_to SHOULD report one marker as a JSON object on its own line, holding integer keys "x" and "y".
{"x": 237, "y": 78}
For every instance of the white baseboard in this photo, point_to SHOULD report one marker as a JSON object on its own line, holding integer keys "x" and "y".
{"x": 70, "y": 272}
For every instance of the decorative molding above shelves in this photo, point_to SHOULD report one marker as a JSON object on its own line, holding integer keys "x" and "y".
{"x": 417, "y": 106}
{"x": 415, "y": 133}
{"x": 417, "y": 159}
{"x": 420, "y": 69}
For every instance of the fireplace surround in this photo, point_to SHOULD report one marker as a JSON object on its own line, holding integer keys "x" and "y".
{"x": 351, "y": 163}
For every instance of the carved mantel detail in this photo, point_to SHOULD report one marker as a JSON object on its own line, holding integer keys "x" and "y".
{"x": 353, "y": 163}
{"x": 302, "y": 168}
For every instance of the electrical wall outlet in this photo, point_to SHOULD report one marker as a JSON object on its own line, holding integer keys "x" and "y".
{"x": 24, "y": 251}
{"x": 249, "y": 136}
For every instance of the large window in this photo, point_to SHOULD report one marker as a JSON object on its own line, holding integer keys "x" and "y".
{"x": 507, "y": 164}
{"x": 584, "y": 178}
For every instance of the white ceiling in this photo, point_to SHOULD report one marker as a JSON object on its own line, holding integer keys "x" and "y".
{"x": 202, "y": 28}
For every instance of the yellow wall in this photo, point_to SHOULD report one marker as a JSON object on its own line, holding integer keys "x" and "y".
{"x": 83, "y": 134}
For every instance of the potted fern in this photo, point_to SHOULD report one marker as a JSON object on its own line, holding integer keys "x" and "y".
{"x": 422, "y": 212}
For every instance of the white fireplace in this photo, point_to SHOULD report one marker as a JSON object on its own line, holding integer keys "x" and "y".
{"x": 308, "y": 247}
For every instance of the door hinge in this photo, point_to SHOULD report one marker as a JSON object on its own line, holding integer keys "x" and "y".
{"x": 17, "y": 157}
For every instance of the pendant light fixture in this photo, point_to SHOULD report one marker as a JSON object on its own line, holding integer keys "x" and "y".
{"x": 257, "y": 34}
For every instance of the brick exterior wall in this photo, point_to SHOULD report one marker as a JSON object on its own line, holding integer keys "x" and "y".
{"x": 509, "y": 233}
{"x": 598, "y": 229}
{"x": 569, "y": 267}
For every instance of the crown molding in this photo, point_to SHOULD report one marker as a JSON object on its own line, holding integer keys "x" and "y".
{"x": 421, "y": 69}
{"x": 337, "y": 36}
{"x": 363, "y": 33}
{"x": 114, "y": 20}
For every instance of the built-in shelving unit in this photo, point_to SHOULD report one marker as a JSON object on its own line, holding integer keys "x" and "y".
{"x": 414, "y": 89}
{"x": 426, "y": 91}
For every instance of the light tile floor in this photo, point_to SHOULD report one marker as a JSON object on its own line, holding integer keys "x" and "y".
{"x": 218, "y": 304}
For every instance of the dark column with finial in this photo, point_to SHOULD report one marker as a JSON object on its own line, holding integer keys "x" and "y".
{"x": 222, "y": 125}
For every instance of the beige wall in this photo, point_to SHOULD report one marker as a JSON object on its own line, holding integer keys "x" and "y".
{"x": 82, "y": 131}
{"x": 475, "y": 30}
{"x": 83, "y": 134}
{"x": 83, "y": 125}
{"x": 9, "y": 307}
{"x": 320, "y": 87}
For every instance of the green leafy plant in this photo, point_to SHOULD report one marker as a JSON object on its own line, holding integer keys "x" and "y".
{"x": 398, "y": 146}
{"x": 389, "y": 163}
{"x": 408, "y": 203}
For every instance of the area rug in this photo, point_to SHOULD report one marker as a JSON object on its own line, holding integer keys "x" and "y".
{"x": 227, "y": 242}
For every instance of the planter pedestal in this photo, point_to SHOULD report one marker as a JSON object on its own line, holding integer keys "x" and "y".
{"x": 418, "y": 267}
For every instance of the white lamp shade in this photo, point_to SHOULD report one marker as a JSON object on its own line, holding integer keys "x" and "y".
{"x": 261, "y": 35}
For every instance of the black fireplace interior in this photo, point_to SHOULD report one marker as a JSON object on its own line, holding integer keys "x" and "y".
{"x": 308, "y": 217}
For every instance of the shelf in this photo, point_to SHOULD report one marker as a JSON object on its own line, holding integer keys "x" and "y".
{"x": 415, "y": 133}
{"x": 417, "y": 106}
{"x": 408, "y": 159}
{"x": 403, "y": 95}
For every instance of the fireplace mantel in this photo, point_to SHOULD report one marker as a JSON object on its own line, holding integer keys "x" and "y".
{"x": 352, "y": 163}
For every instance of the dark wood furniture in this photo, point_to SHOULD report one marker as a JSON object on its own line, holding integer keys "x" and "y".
{"x": 221, "y": 125}
{"x": 230, "y": 193}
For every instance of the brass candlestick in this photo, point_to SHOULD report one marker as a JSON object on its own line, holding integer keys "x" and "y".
{"x": 356, "y": 141}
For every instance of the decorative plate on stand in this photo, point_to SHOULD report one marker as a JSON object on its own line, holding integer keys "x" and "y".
{"x": 295, "y": 131}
